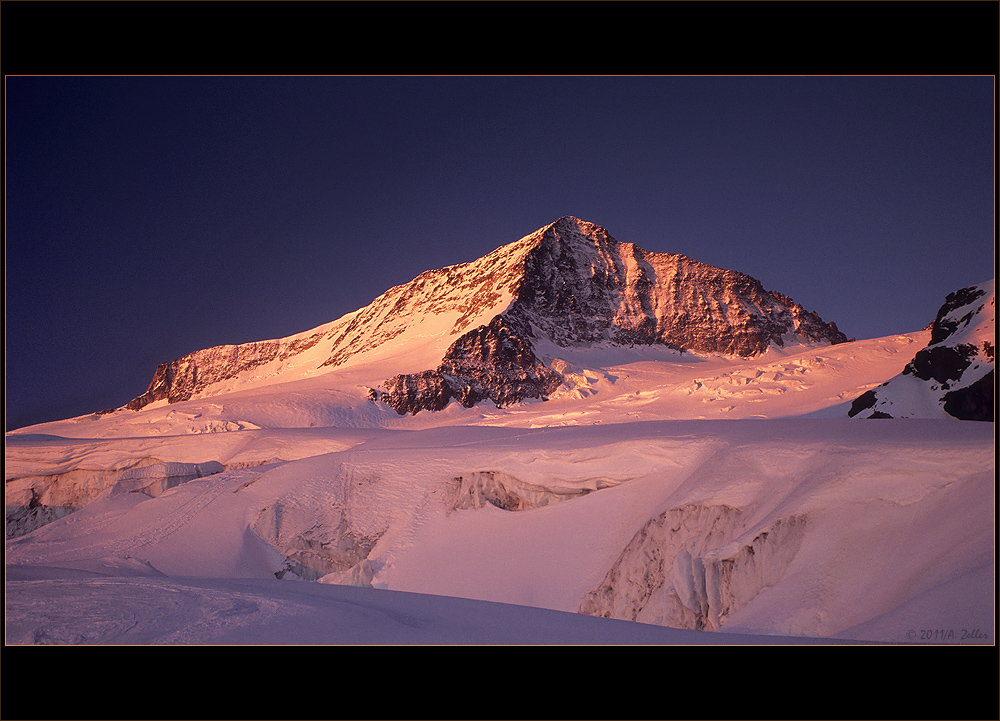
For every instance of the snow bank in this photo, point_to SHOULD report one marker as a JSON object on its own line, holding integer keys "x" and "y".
{"x": 59, "y": 607}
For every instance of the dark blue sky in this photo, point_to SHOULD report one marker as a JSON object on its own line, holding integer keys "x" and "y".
{"x": 148, "y": 217}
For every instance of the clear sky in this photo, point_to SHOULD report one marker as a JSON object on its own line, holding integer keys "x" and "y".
{"x": 149, "y": 217}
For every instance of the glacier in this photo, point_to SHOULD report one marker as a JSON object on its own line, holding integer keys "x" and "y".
{"x": 647, "y": 493}
{"x": 794, "y": 528}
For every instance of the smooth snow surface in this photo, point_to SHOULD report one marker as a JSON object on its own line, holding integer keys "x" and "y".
{"x": 691, "y": 499}
{"x": 46, "y": 606}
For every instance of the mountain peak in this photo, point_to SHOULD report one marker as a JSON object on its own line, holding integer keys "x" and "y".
{"x": 578, "y": 286}
{"x": 571, "y": 223}
{"x": 581, "y": 285}
{"x": 569, "y": 282}
{"x": 570, "y": 229}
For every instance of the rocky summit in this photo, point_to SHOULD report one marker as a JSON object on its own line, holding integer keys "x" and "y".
{"x": 480, "y": 324}
{"x": 580, "y": 285}
{"x": 576, "y": 285}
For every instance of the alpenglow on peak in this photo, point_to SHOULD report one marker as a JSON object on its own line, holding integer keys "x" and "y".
{"x": 570, "y": 282}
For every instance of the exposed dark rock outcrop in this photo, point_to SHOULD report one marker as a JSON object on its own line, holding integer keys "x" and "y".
{"x": 413, "y": 392}
{"x": 974, "y": 402}
{"x": 942, "y": 363}
{"x": 948, "y": 322}
{"x": 492, "y": 362}
{"x": 863, "y": 402}
{"x": 954, "y": 371}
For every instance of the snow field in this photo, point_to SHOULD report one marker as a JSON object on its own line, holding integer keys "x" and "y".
{"x": 694, "y": 491}
{"x": 890, "y": 513}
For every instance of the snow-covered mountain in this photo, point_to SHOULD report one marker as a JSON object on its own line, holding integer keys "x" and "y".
{"x": 702, "y": 475}
{"x": 569, "y": 283}
{"x": 953, "y": 375}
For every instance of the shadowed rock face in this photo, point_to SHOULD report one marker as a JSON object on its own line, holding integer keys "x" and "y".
{"x": 948, "y": 322}
{"x": 956, "y": 367}
{"x": 942, "y": 363}
{"x": 974, "y": 402}
{"x": 492, "y": 362}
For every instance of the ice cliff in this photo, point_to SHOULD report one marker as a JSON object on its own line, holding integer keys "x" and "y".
{"x": 34, "y": 500}
{"x": 692, "y": 567}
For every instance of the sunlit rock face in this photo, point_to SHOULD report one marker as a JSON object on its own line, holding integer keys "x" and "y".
{"x": 580, "y": 285}
{"x": 184, "y": 378}
{"x": 953, "y": 375}
{"x": 569, "y": 282}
